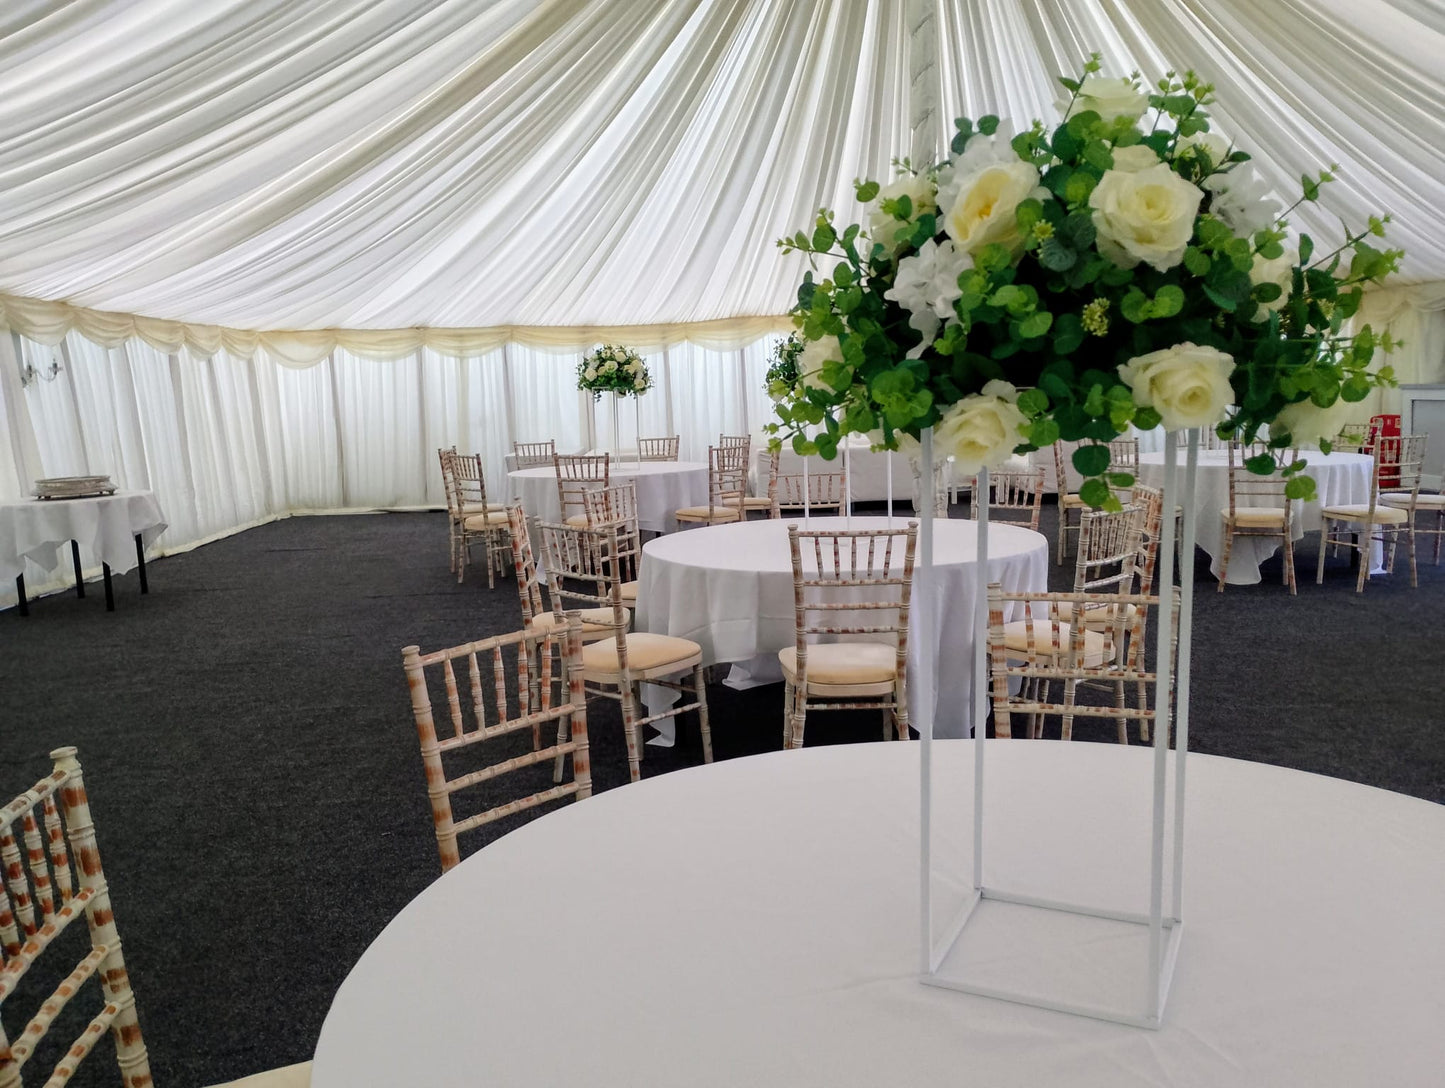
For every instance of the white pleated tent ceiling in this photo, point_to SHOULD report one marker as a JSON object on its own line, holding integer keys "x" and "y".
{"x": 408, "y": 178}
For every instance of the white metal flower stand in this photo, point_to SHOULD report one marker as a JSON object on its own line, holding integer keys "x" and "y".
{"x": 1161, "y": 923}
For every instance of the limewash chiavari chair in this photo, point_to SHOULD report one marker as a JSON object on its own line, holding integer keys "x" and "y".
{"x": 874, "y": 568}
{"x": 1257, "y": 507}
{"x": 727, "y": 477}
{"x": 577, "y": 474}
{"x": 1425, "y": 503}
{"x": 580, "y": 567}
{"x": 1071, "y": 507}
{"x": 536, "y": 615}
{"x": 1351, "y": 438}
{"x": 1015, "y": 497}
{"x": 499, "y": 696}
{"x": 1059, "y": 644}
{"x": 617, "y": 505}
{"x": 474, "y": 520}
{"x": 824, "y": 491}
{"x": 658, "y": 449}
{"x": 55, "y": 879}
{"x": 534, "y": 454}
{"x": 1390, "y": 513}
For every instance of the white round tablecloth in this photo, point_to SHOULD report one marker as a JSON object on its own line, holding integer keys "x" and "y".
{"x": 768, "y": 934}
{"x": 1340, "y": 478}
{"x": 729, "y": 588}
{"x": 663, "y": 488}
{"x": 105, "y": 526}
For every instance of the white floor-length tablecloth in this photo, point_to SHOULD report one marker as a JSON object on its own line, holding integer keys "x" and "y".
{"x": 867, "y": 478}
{"x": 729, "y": 588}
{"x": 768, "y": 935}
{"x": 663, "y": 487}
{"x": 105, "y": 526}
{"x": 1340, "y": 478}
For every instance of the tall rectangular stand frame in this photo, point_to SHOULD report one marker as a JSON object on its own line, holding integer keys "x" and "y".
{"x": 1165, "y": 927}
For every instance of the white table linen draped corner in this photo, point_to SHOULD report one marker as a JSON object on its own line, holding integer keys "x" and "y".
{"x": 105, "y": 527}
{"x": 663, "y": 488}
{"x": 780, "y": 894}
{"x": 1340, "y": 479}
{"x": 730, "y": 589}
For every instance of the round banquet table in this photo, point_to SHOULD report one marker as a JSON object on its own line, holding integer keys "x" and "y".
{"x": 1340, "y": 478}
{"x": 729, "y": 588}
{"x": 663, "y": 487}
{"x": 768, "y": 933}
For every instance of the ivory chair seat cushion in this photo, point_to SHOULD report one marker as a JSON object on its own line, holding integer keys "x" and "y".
{"x": 595, "y": 621}
{"x": 1102, "y": 618}
{"x": 290, "y": 1076}
{"x": 646, "y": 653}
{"x": 843, "y": 664}
{"x": 492, "y": 519}
{"x": 470, "y": 508}
{"x": 1257, "y": 517}
{"x": 577, "y": 521}
{"x": 756, "y": 502}
{"x": 702, "y": 513}
{"x": 629, "y": 592}
{"x": 1422, "y": 501}
{"x": 1360, "y": 511}
{"x": 1016, "y": 637}
{"x": 1067, "y": 499}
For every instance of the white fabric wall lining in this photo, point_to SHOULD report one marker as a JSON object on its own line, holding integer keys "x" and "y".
{"x": 230, "y": 443}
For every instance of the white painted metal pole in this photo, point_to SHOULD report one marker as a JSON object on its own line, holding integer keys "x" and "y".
{"x": 922, "y": 639}
{"x": 1163, "y": 637}
{"x": 980, "y": 672}
{"x": 807, "y": 495}
{"x": 888, "y": 456}
{"x": 1186, "y": 640}
{"x": 637, "y": 425}
{"x": 848, "y": 481}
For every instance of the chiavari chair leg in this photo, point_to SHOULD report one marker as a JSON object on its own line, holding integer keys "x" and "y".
{"x": 1224, "y": 559}
{"x": 800, "y": 713}
{"x": 900, "y": 711}
{"x": 1410, "y": 547}
{"x": 1143, "y": 694}
{"x": 787, "y": 715}
{"x": 1439, "y": 532}
{"x": 1066, "y": 728}
{"x": 1365, "y": 545}
{"x": 699, "y": 680}
{"x": 1289, "y": 565}
{"x": 1324, "y": 546}
{"x": 630, "y": 731}
{"x": 1123, "y": 722}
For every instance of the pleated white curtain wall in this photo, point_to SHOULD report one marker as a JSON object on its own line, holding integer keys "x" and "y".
{"x": 227, "y": 443}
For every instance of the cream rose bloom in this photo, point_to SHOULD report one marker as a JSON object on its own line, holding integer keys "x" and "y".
{"x": 1144, "y": 216}
{"x": 1280, "y": 270}
{"x": 1130, "y": 160}
{"x": 983, "y": 210}
{"x": 982, "y": 429}
{"x": 815, "y": 354}
{"x": 590, "y": 374}
{"x": 1109, "y": 98}
{"x": 638, "y": 383}
{"x": 1188, "y": 384}
{"x": 882, "y": 227}
{"x": 1306, "y": 422}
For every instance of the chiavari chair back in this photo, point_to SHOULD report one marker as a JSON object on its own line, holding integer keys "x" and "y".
{"x": 873, "y": 569}
{"x": 56, "y": 879}
{"x": 509, "y": 686}
{"x": 1387, "y": 517}
{"x": 727, "y": 483}
{"x": 1071, "y": 507}
{"x": 1014, "y": 497}
{"x": 577, "y": 474}
{"x": 1257, "y": 507}
{"x": 658, "y": 449}
{"x": 534, "y": 454}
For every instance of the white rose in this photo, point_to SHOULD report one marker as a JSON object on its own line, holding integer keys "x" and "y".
{"x": 1280, "y": 270}
{"x": 608, "y": 367}
{"x": 982, "y": 429}
{"x": 1145, "y": 216}
{"x": 811, "y": 359}
{"x": 1188, "y": 384}
{"x": 1211, "y": 143}
{"x": 590, "y": 373}
{"x": 1307, "y": 422}
{"x": 1130, "y": 160}
{"x": 884, "y": 228}
{"x": 983, "y": 211}
{"x": 639, "y": 383}
{"x": 1109, "y": 98}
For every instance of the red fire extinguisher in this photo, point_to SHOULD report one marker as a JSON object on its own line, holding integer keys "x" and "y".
{"x": 1387, "y": 427}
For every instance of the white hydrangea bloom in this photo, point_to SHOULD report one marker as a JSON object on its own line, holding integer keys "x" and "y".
{"x": 1242, "y": 199}
{"x": 926, "y": 285}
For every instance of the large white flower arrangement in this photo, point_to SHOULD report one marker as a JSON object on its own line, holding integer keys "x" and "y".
{"x": 1126, "y": 266}
{"x": 612, "y": 369}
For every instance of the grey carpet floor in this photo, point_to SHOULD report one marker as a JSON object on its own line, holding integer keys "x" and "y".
{"x": 255, "y": 781}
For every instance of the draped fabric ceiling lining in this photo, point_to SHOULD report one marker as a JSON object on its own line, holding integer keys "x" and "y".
{"x": 455, "y": 173}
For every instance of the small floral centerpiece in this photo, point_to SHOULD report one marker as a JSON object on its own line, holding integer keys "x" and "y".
{"x": 612, "y": 369}
{"x": 782, "y": 375}
{"x": 1125, "y": 266}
